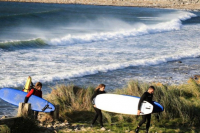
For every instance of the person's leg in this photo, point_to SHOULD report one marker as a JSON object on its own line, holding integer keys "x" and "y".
{"x": 148, "y": 122}
{"x": 100, "y": 118}
{"x": 140, "y": 123}
{"x": 96, "y": 116}
{"x": 143, "y": 120}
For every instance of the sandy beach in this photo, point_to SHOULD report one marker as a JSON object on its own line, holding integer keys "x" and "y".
{"x": 181, "y": 4}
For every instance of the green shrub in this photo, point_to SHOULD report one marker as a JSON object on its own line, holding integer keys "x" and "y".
{"x": 4, "y": 129}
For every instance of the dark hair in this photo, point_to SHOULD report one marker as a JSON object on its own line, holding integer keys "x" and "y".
{"x": 152, "y": 87}
{"x": 38, "y": 84}
{"x": 99, "y": 86}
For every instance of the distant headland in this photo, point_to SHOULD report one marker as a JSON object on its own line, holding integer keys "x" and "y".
{"x": 175, "y": 4}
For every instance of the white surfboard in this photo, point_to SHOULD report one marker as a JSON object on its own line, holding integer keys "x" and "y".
{"x": 123, "y": 104}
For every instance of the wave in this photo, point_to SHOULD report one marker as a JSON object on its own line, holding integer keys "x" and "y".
{"x": 143, "y": 29}
{"x": 17, "y": 44}
{"x": 141, "y": 62}
{"x": 28, "y": 14}
{"x": 84, "y": 71}
{"x": 111, "y": 67}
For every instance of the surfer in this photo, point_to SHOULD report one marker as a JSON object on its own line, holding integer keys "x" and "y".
{"x": 34, "y": 91}
{"x": 147, "y": 96}
{"x": 99, "y": 90}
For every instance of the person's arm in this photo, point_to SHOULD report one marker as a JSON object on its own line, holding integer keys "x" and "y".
{"x": 31, "y": 85}
{"x": 93, "y": 97}
{"x": 140, "y": 103}
{"x": 28, "y": 95}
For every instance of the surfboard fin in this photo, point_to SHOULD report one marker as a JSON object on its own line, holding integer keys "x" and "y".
{"x": 46, "y": 107}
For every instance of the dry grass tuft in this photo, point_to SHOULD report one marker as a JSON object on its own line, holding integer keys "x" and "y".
{"x": 180, "y": 102}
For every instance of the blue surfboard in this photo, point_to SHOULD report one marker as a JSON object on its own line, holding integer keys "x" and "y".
{"x": 15, "y": 97}
{"x": 157, "y": 107}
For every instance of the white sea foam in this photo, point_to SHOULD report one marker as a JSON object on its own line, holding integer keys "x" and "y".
{"x": 173, "y": 23}
{"x": 100, "y": 52}
{"x": 66, "y": 71}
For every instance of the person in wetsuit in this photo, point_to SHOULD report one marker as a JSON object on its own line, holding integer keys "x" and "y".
{"x": 99, "y": 90}
{"x": 147, "y": 96}
{"x": 34, "y": 91}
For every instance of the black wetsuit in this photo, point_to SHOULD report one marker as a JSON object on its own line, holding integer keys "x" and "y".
{"x": 145, "y": 97}
{"x": 98, "y": 111}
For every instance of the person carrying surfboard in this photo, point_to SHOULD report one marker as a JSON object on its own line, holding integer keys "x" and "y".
{"x": 147, "y": 96}
{"x": 99, "y": 90}
{"x": 34, "y": 91}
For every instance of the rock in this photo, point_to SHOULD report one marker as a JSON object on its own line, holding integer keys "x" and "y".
{"x": 69, "y": 130}
{"x": 66, "y": 121}
{"x": 45, "y": 118}
{"x": 179, "y": 61}
{"x": 83, "y": 129}
{"x": 62, "y": 124}
{"x": 76, "y": 129}
{"x": 4, "y": 117}
{"x": 50, "y": 127}
{"x": 197, "y": 78}
{"x": 55, "y": 126}
{"x": 56, "y": 122}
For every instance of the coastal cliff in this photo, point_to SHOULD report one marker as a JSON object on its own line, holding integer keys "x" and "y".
{"x": 176, "y": 4}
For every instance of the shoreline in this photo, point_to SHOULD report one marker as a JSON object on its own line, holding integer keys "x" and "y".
{"x": 111, "y": 87}
{"x": 181, "y": 5}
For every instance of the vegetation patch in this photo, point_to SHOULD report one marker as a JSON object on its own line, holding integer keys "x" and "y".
{"x": 181, "y": 110}
{"x": 181, "y": 106}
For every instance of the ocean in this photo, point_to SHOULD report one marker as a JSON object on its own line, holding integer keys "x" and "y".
{"x": 86, "y": 45}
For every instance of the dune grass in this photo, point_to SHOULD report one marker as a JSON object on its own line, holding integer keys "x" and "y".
{"x": 181, "y": 106}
